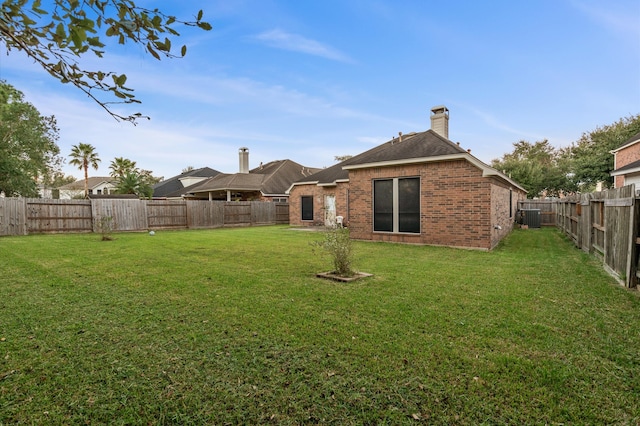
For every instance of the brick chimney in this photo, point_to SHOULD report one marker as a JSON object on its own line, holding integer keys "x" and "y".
{"x": 243, "y": 153}
{"x": 440, "y": 120}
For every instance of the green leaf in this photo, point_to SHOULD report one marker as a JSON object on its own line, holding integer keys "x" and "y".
{"x": 153, "y": 52}
{"x": 205, "y": 26}
{"x": 119, "y": 80}
{"x": 78, "y": 36}
{"x": 95, "y": 41}
{"x": 60, "y": 32}
{"x": 184, "y": 50}
{"x": 122, "y": 11}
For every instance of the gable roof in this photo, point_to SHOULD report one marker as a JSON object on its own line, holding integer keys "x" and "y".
{"x": 92, "y": 182}
{"x": 412, "y": 146}
{"x": 423, "y": 147}
{"x": 279, "y": 175}
{"x": 228, "y": 182}
{"x": 273, "y": 178}
{"x": 337, "y": 173}
{"x": 174, "y": 187}
{"x": 631, "y": 141}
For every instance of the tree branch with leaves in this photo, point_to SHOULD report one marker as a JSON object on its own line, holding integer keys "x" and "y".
{"x": 57, "y": 36}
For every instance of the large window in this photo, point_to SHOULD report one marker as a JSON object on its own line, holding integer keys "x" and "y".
{"x": 396, "y": 205}
{"x": 307, "y": 207}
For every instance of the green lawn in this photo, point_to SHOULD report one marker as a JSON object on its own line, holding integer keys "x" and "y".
{"x": 231, "y": 326}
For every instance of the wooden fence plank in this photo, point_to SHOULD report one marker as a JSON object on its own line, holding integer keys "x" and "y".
{"x": 205, "y": 214}
{"x": 167, "y": 214}
{"x": 13, "y": 216}
{"x": 619, "y": 202}
{"x": 126, "y": 215}
{"x": 53, "y": 216}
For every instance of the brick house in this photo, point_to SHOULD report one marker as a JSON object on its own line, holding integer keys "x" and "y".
{"x": 626, "y": 166}
{"x": 419, "y": 188}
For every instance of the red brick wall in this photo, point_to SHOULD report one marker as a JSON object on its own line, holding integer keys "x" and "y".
{"x": 318, "y": 193}
{"x": 456, "y": 205}
{"x": 502, "y": 218}
{"x": 623, "y": 157}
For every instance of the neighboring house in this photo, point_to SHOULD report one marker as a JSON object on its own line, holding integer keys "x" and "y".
{"x": 97, "y": 186}
{"x": 626, "y": 166}
{"x": 419, "y": 188}
{"x": 268, "y": 182}
{"x": 175, "y": 187}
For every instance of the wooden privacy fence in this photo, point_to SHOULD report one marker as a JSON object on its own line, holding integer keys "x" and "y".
{"x": 605, "y": 224}
{"x": 23, "y": 216}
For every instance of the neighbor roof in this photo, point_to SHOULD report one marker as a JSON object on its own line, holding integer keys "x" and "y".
{"x": 632, "y": 140}
{"x": 227, "y": 182}
{"x": 629, "y": 168}
{"x": 173, "y": 186}
{"x": 272, "y": 178}
{"x": 280, "y": 174}
{"x": 92, "y": 182}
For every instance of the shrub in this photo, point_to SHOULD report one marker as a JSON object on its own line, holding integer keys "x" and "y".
{"x": 337, "y": 243}
{"x": 105, "y": 227}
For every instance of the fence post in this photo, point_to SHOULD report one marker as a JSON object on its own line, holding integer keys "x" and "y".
{"x": 633, "y": 232}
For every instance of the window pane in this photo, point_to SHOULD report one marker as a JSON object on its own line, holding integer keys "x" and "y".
{"x": 307, "y": 208}
{"x": 383, "y": 205}
{"x": 409, "y": 205}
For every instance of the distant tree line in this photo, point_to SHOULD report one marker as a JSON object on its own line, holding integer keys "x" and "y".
{"x": 544, "y": 170}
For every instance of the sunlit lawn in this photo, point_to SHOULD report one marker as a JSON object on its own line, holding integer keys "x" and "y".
{"x": 231, "y": 326}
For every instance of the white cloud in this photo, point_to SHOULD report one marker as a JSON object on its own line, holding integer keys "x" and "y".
{"x": 283, "y": 40}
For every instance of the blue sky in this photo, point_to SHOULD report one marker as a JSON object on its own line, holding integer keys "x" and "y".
{"x": 309, "y": 80}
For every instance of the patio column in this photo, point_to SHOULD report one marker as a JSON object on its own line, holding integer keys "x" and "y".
{"x": 228, "y": 195}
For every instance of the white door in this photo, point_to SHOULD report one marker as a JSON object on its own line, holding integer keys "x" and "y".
{"x": 330, "y": 210}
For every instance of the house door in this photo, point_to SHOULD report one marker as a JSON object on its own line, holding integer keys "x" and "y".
{"x": 330, "y": 210}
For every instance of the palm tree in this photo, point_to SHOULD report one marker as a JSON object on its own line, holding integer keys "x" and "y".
{"x": 121, "y": 166}
{"x": 84, "y": 155}
{"x": 134, "y": 183}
